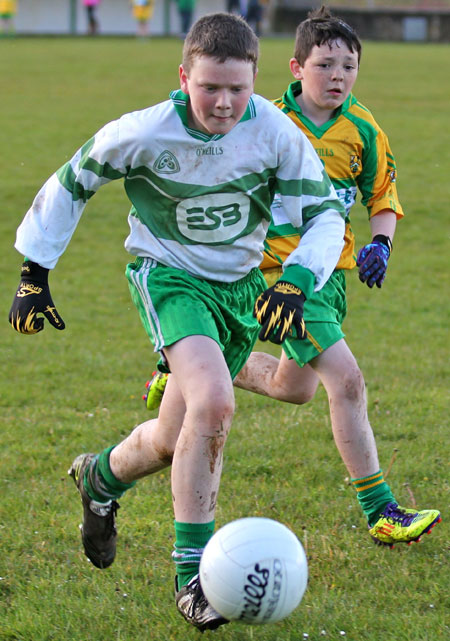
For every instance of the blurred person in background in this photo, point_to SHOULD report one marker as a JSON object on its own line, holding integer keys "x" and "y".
{"x": 236, "y": 6}
{"x": 186, "y": 10}
{"x": 8, "y": 9}
{"x": 142, "y": 13}
{"x": 255, "y": 14}
{"x": 91, "y": 11}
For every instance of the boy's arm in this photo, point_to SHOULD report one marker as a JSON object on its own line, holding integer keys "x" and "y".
{"x": 378, "y": 178}
{"x": 50, "y": 222}
{"x": 310, "y": 265}
{"x": 310, "y": 203}
{"x": 385, "y": 223}
{"x": 279, "y": 309}
{"x": 377, "y": 183}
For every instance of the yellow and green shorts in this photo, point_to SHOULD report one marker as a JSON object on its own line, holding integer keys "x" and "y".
{"x": 324, "y": 313}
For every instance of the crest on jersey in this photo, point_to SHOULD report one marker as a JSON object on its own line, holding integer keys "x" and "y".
{"x": 393, "y": 176}
{"x": 355, "y": 163}
{"x": 166, "y": 163}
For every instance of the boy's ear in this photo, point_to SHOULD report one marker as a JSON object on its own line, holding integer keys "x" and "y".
{"x": 296, "y": 69}
{"x": 184, "y": 86}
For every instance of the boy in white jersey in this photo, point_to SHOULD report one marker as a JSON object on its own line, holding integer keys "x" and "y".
{"x": 200, "y": 171}
{"x": 356, "y": 155}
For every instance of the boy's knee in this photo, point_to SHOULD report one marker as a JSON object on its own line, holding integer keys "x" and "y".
{"x": 291, "y": 391}
{"x": 216, "y": 404}
{"x": 164, "y": 451}
{"x": 352, "y": 386}
{"x": 222, "y": 409}
{"x": 295, "y": 395}
{"x": 305, "y": 395}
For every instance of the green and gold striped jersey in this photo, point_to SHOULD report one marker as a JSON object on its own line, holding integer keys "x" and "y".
{"x": 200, "y": 202}
{"x": 356, "y": 155}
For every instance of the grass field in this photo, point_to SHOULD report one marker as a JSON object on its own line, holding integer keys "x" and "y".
{"x": 79, "y": 390}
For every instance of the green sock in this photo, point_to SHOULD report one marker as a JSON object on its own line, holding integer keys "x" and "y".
{"x": 100, "y": 483}
{"x": 373, "y": 495}
{"x": 190, "y": 540}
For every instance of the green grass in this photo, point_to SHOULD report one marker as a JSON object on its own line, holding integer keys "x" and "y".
{"x": 64, "y": 393}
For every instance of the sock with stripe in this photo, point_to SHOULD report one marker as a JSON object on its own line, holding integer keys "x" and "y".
{"x": 100, "y": 483}
{"x": 190, "y": 541}
{"x": 373, "y": 495}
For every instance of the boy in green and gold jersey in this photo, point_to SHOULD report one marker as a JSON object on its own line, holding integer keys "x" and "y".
{"x": 356, "y": 156}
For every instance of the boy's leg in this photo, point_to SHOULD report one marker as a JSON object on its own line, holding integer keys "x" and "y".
{"x": 151, "y": 445}
{"x": 336, "y": 367}
{"x": 344, "y": 383}
{"x": 284, "y": 380}
{"x": 199, "y": 401}
{"x": 281, "y": 379}
{"x": 104, "y": 478}
{"x": 353, "y": 435}
{"x": 338, "y": 371}
{"x": 201, "y": 373}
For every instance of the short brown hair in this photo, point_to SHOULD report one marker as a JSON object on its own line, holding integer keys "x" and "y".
{"x": 221, "y": 36}
{"x": 321, "y": 27}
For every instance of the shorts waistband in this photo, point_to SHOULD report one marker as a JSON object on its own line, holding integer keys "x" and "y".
{"x": 253, "y": 275}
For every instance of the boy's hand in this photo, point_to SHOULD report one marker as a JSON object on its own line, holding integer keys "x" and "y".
{"x": 33, "y": 297}
{"x": 372, "y": 260}
{"x": 279, "y": 309}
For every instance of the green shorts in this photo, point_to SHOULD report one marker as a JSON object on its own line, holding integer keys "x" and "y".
{"x": 173, "y": 304}
{"x": 324, "y": 314}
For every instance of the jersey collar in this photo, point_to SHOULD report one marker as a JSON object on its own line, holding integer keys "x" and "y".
{"x": 180, "y": 101}
{"x": 289, "y": 99}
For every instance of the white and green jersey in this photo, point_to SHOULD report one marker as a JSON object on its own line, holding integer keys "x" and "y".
{"x": 200, "y": 202}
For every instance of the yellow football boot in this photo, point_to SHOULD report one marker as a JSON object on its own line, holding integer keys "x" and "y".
{"x": 402, "y": 525}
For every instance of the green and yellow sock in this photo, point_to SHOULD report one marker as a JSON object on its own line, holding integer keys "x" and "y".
{"x": 100, "y": 483}
{"x": 190, "y": 541}
{"x": 373, "y": 495}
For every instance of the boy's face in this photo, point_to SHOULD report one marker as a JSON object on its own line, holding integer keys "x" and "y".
{"x": 218, "y": 93}
{"x": 327, "y": 76}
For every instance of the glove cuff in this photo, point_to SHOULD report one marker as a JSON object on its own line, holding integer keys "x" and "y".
{"x": 300, "y": 277}
{"x": 285, "y": 287}
{"x": 35, "y": 272}
{"x": 385, "y": 240}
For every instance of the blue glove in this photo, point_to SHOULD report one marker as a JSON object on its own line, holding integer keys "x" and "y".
{"x": 372, "y": 260}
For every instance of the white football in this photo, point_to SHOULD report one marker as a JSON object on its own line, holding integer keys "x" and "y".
{"x": 254, "y": 570}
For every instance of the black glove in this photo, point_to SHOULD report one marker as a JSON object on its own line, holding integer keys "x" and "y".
{"x": 33, "y": 297}
{"x": 279, "y": 309}
{"x": 373, "y": 259}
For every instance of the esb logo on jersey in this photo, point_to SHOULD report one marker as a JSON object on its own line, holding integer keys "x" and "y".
{"x": 213, "y": 218}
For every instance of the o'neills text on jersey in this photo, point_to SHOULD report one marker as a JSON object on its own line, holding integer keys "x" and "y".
{"x": 209, "y": 151}
{"x": 324, "y": 153}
